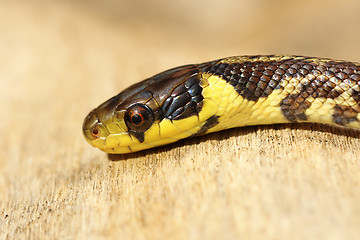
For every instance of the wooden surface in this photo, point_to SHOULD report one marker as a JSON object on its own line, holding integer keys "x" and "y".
{"x": 59, "y": 59}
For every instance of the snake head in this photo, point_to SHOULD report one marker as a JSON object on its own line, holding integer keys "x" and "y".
{"x": 157, "y": 111}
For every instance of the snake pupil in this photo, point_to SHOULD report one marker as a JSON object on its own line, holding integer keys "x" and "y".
{"x": 137, "y": 119}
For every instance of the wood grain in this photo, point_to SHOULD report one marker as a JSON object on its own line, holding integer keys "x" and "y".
{"x": 59, "y": 59}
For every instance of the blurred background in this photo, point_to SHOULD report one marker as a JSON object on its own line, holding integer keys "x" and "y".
{"x": 110, "y": 44}
{"x": 61, "y": 58}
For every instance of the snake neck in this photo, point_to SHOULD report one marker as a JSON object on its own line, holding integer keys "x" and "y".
{"x": 242, "y": 92}
{"x": 233, "y": 110}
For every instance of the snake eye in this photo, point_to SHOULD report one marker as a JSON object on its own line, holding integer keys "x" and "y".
{"x": 139, "y": 117}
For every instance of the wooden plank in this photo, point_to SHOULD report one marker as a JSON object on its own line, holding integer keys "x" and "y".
{"x": 60, "y": 59}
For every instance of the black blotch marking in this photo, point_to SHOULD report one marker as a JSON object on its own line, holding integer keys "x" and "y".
{"x": 344, "y": 115}
{"x": 210, "y": 122}
{"x": 139, "y": 135}
{"x": 294, "y": 106}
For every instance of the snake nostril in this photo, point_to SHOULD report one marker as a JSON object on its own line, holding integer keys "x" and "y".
{"x": 95, "y": 132}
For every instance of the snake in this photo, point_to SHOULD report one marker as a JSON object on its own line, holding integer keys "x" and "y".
{"x": 231, "y": 92}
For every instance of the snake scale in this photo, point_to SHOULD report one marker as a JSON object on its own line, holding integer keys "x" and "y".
{"x": 231, "y": 92}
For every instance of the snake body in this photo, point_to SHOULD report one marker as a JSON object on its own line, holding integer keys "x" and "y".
{"x": 226, "y": 93}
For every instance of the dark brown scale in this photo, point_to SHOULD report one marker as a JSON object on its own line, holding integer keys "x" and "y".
{"x": 268, "y": 73}
{"x": 308, "y": 67}
{"x": 284, "y": 66}
{"x": 270, "y": 67}
{"x": 303, "y": 71}
{"x": 304, "y": 94}
{"x": 356, "y": 96}
{"x": 341, "y": 75}
{"x": 257, "y": 72}
{"x": 328, "y": 86}
{"x": 334, "y": 69}
{"x": 328, "y": 73}
{"x": 322, "y": 68}
{"x": 348, "y": 71}
{"x": 296, "y": 66}
{"x": 291, "y": 71}
{"x": 262, "y": 83}
{"x": 356, "y": 77}
{"x": 280, "y": 71}
{"x": 316, "y": 72}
